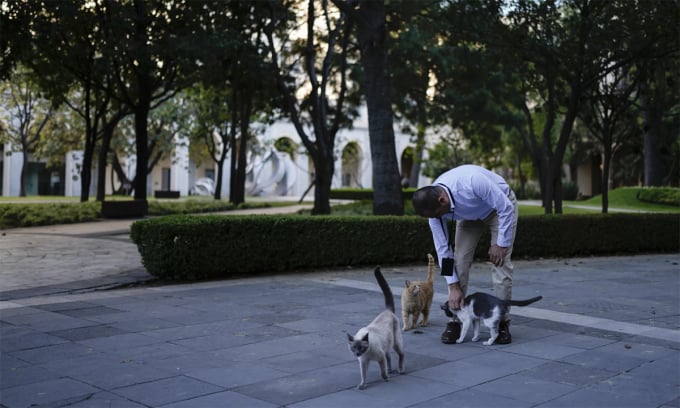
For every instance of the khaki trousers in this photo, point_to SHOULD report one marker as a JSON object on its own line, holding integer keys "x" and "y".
{"x": 467, "y": 237}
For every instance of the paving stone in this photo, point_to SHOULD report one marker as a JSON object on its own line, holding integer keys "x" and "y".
{"x": 542, "y": 349}
{"x": 48, "y": 321}
{"x": 60, "y": 306}
{"x": 108, "y": 373}
{"x": 618, "y": 391}
{"x": 90, "y": 332}
{"x": 168, "y": 390}
{"x": 470, "y": 398}
{"x": 664, "y": 371}
{"x": 527, "y": 389}
{"x": 232, "y": 375}
{"x": 13, "y": 376}
{"x": 616, "y": 363}
{"x": 566, "y": 373}
{"x": 222, "y": 399}
{"x": 55, "y": 352}
{"x": 294, "y": 388}
{"x": 305, "y": 361}
{"x": 21, "y": 338}
{"x": 89, "y": 311}
{"x": 346, "y": 398}
{"x": 120, "y": 341}
{"x": 45, "y": 392}
{"x": 105, "y": 399}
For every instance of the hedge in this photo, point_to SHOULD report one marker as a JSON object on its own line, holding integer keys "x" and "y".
{"x": 214, "y": 246}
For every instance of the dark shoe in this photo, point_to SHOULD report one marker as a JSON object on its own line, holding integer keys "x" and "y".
{"x": 504, "y": 336}
{"x": 451, "y": 333}
{"x": 445, "y": 308}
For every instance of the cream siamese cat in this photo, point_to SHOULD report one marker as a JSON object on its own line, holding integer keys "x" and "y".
{"x": 484, "y": 307}
{"x": 373, "y": 342}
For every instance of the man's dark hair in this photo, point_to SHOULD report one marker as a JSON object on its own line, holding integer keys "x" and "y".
{"x": 426, "y": 200}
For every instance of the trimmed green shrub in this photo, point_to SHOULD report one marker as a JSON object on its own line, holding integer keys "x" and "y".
{"x": 660, "y": 195}
{"x": 29, "y": 215}
{"x": 363, "y": 194}
{"x": 188, "y": 247}
{"x": 191, "y": 247}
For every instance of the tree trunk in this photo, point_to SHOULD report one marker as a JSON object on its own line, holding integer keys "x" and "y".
{"x": 653, "y": 162}
{"x": 107, "y": 135}
{"x": 86, "y": 170}
{"x": 323, "y": 168}
{"x": 234, "y": 196}
{"x": 606, "y": 160}
{"x": 22, "y": 177}
{"x": 240, "y": 175}
{"x": 419, "y": 149}
{"x": 142, "y": 147}
{"x": 373, "y": 44}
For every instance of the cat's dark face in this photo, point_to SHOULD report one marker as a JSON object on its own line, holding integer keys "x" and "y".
{"x": 358, "y": 346}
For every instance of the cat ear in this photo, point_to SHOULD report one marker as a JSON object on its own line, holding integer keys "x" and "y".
{"x": 349, "y": 336}
{"x": 365, "y": 338}
{"x": 408, "y": 283}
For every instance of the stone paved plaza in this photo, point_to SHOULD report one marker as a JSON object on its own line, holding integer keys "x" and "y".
{"x": 606, "y": 334}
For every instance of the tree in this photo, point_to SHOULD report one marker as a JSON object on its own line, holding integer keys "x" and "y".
{"x": 413, "y": 58}
{"x": 322, "y": 74}
{"x": 370, "y": 19}
{"x": 157, "y": 49}
{"x": 655, "y": 42}
{"x": 211, "y": 126}
{"x": 607, "y": 113}
{"x": 24, "y": 117}
{"x": 560, "y": 50}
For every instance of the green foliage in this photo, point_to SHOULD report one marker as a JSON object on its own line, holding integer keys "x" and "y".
{"x": 444, "y": 156}
{"x": 186, "y": 247}
{"x": 188, "y": 207}
{"x": 34, "y": 214}
{"x": 29, "y": 215}
{"x": 192, "y": 248}
{"x": 660, "y": 195}
{"x": 363, "y": 194}
{"x": 632, "y": 198}
{"x": 569, "y": 190}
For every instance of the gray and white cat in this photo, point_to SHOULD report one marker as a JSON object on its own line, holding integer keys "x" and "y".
{"x": 373, "y": 342}
{"x": 486, "y": 308}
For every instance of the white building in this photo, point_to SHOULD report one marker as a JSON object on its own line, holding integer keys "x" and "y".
{"x": 272, "y": 173}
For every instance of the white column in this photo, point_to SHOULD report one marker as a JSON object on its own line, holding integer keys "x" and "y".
{"x": 11, "y": 172}
{"x": 72, "y": 184}
{"x": 179, "y": 172}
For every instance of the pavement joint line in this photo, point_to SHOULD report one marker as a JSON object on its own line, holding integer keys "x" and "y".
{"x": 529, "y": 312}
{"x": 634, "y": 329}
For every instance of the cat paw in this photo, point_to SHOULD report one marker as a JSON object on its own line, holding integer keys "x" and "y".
{"x": 488, "y": 342}
{"x": 459, "y": 341}
{"x": 361, "y": 386}
{"x": 474, "y": 339}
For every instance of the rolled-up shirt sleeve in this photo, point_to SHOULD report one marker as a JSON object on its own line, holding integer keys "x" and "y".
{"x": 496, "y": 198}
{"x": 441, "y": 243}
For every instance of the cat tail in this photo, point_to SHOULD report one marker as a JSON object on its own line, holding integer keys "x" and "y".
{"x": 430, "y": 268}
{"x": 387, "y": 292}
{"x": 525, "y": 302}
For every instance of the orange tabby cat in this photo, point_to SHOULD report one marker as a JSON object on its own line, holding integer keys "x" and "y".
{"x": 416, "y": 298}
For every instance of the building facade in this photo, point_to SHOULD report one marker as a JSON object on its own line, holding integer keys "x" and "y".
{"x": 270, "y": 173}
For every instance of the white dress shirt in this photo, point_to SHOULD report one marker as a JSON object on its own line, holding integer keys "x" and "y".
{"x": 477, "y": 192}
